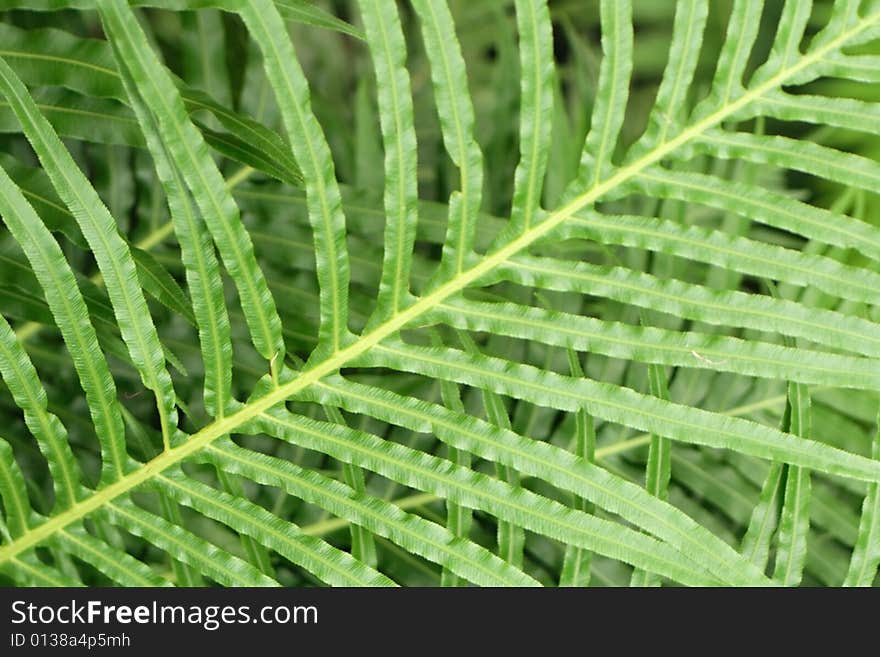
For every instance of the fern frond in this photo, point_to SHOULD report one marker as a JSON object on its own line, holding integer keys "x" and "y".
{"x": 527, "y": 214}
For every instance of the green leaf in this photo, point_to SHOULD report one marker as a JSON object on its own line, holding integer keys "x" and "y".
{"x": 72, "y": 317}
{"x": 383, "y": 519}
{"x": 863, "y": 68}
{"x": 742, "y": 30}
{"x": 456, "y": 112}
{"x": 667, "y": 114}
{"x": 767, "y": 207}
{"x": 838, "y": 112}
{"x": 71, "y": 115}
{"x": 363, "y": 547}
{"x": 303, "y": 11}
{"x": 536, "y": 93}
{"x": 794, "y": 523}
{"x": 184, "y": 573}
{"x": 624, "y": 406}
{"x": 202, "y": 269}
{"x": 817, "y": 160}
{"x": 459, "y": 518}
{"x": 21, "y": 378}
{"x": 559, "y": 467}
{"x": 866, "y": 556}
{"x": 156, "y": 281}
{"x": 660, "y": 346}
{"x": 832, "y": 329}
{"x": 511, "y": 539}
{"x": 119, "y": 566}
{"x": 765, "y": 518}
{"x": 206, "y": 558}
{"x": 297, "y": 11}
{"x": 187, "y": 150}
{"x": 789, "y": 33}
{"x": 577, "y": 563}
{"x": 313, "y": 155}
{"x": 659, "y": 469}
{"x": 111, "y": 252}
{"x": 612, "y": 91}
{"x": 13, "y": 492}
{"x": 30, "y": 571}
{"x": 388, "y": 50}
{"x": 323, "y": 560}
{"x": 721, "y": 249}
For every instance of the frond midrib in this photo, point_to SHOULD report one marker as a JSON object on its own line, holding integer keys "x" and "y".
{"x": 396, "y": 322}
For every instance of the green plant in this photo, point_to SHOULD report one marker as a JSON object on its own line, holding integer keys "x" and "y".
{"x": 451, "y": 387}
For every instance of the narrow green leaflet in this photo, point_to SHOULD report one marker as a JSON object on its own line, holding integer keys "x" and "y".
{"x": 313, "y": 155}
{"x": 33, "y": 572}
{"x": 221, "y": 566}
{"x": 659, "y": 468}
{"x": 298, "y": 11}
{"x": 828, "y": 163}
{"x": 72, "y": 318}
{"x": 536, "y": 104}
{"x": 511, "y": 539}
{"x": 838, "y": 112}
{"x": 332, "y": 565}
{"x": 742, "y": 30}
{"x": 382, "y": 518}
{"x": 866, "y": 556}
{"x": 624, "y": 406}
{"x": 363, "y": 547}
{"x": 544, "y": 461}
{"x": 111, "y": 252}
{"x": 184, "y": 573}
{"x": 156, "y": 281}
{"x": 257, "y": 554}
{"x": 36, "y": 187}
{"x": 577, "y": 563}
{"x": 661, "y": 346}
{"x": 721, "y": 249}
{"x": 829, "y": 328}
{"x": 13, "y": 492}
{"x": 459, "y": 518}
{"x": 794, "y": 522}
{"x": 765, "y": 518}
{"x": 388, "y": 49}
{"x": 303, "y": 11}
{"x": 789, "y": 33}
{"x": 456, "y": 112}
{"x": 188, "y": 151}
{"x": 669, "y": 108}
{"x": 22, "y": 380}
{"x": 202, "y": 268}
{"x": 864, "y": 68}
{"x": 765, "y": 206}
{"x": 119, "y": 566}
{"x": 843, "y": 15}
{"x": 612, "y": 92}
